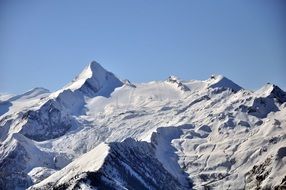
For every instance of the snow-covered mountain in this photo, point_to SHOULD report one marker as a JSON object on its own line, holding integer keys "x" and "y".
{"x": 99, "y": 132}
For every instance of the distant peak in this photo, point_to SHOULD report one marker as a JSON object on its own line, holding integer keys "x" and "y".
{"x": 265, "y": 89}
{"x": 92, "y": 69}
{"x": 220, "y": 81}
{"x": 271, "y": 86}
{"x": 273, "y": 90}
{"x": 175, "y": 80}
{"x": 30, "y": 94}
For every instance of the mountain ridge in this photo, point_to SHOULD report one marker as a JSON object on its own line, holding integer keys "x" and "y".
{"x": 203, "y": 129}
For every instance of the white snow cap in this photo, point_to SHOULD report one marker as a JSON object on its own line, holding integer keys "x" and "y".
{"x": 94, "y": 78}
{"x": 218, "y": 81}
{"x": 271, "y": 90}
{"x": 93, "y": 70}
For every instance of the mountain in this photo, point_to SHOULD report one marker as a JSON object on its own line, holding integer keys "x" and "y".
{"x": 94, "y": 80}
{"x": 219, "y": 81}
{"x": 99, "y": 132}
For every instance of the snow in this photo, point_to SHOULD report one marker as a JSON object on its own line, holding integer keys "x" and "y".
{"x": 90, "y": 161}
{"x": 82, "y": 77}
{"x": 5, "y": 96}
{"x": 165, "y": 152}
{"x": 211, "y": 132}
{"x": 217, "y": 81}
{"x": 264, "y": 90}
{"x": 38, "y": 174}
{"x": 94, "y": 79}
{"x": 21, "y": 102}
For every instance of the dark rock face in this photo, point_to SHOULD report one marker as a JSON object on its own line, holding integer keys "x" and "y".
{"x": 260, "y": 107}
{"x": 282, "y": 185}
{"x": 16, "y": 163}
{"x": 281, "y": 153}
{"x": 46, "y": 123}
{"x": 139, "y": 167}
{"x": 129, "y": 165}
{"x": 12, "y": 167}
{"x": 279, "y": 94}
{"x": 258, "y": 174}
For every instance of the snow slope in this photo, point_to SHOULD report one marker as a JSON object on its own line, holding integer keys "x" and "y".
{"x": 170, "y": 134}
{"x": 122, "y": 165}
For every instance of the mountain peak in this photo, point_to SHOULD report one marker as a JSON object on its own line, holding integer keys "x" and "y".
{"x": 93, "y": 79}
{"x": 220, "y": 81}
{"x": 95, "y": 66}
{"x": 91, "y": 70}
{"x": 272, "y": 90}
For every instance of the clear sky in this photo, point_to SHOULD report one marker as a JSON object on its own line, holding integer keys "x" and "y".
{"x": 47, "y": 43}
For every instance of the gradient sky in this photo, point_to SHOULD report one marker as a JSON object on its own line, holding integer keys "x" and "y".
{"x": 47, "y": 43}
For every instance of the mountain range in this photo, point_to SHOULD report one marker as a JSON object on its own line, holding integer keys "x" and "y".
{"x": 100, "y": 132}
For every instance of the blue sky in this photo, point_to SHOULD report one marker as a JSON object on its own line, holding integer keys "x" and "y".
{"x": 47, "y": 43}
